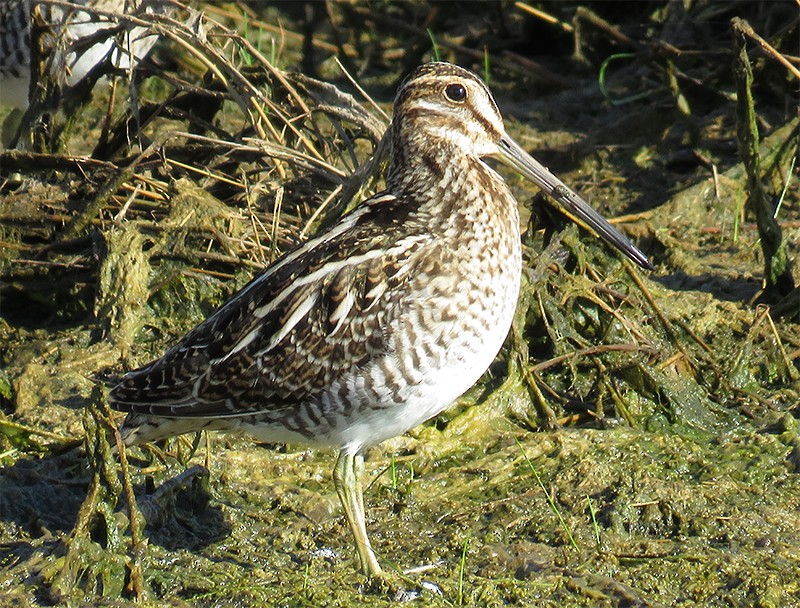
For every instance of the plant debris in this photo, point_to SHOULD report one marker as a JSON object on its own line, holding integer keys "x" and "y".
{"x": 636, "y": 443}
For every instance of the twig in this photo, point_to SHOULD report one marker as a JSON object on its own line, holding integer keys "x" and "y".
{"x": 794, "y": 375}
{"x": 212, "y": 8}
{"x": 593, "y": 350}
{"x": 546, "y": 17}
{"x": 743, "y": 27}
{"x": 777, "y": 266}
{"x": 361, "y": 91}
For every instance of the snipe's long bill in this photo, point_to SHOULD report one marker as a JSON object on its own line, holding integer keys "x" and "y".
{"x": 513, "y": 155}
{"x": 382, "y": 321}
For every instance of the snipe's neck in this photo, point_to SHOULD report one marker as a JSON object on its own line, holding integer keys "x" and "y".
{"x": 422, "y": 167}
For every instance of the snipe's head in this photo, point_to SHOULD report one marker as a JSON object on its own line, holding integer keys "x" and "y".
{"x": 443, "y": 105}
{"x": 443, "y": 111}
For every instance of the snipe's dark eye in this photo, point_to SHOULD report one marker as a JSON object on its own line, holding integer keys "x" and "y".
{"x": 455, "y": 92}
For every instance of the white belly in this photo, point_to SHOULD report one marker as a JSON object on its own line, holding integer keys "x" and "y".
{"x": 458, "y": 355}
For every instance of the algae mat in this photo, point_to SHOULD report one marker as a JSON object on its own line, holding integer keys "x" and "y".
{"x": 635, "y": 444}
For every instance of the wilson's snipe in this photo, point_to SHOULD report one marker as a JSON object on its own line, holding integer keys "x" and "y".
{"x": 76, "y": 37}
{"x": 381, "y": 322}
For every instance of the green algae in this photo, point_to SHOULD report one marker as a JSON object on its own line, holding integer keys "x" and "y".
{"x": 659, "y": 418}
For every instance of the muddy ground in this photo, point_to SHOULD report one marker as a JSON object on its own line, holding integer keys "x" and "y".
{"x": 637, "y": 441}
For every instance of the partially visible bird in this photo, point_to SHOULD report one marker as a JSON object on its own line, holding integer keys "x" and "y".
{"x": 383, "y": 320}
{"x": 77, "y": 40}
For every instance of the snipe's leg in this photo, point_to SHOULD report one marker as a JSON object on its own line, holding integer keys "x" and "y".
{"x": 347, "y": 480}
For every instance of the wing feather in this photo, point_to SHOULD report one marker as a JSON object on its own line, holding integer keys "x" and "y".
{"x": 293, "y": 329}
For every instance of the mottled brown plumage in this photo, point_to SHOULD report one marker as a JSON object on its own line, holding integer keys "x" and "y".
{"x": 382, "y": 321}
